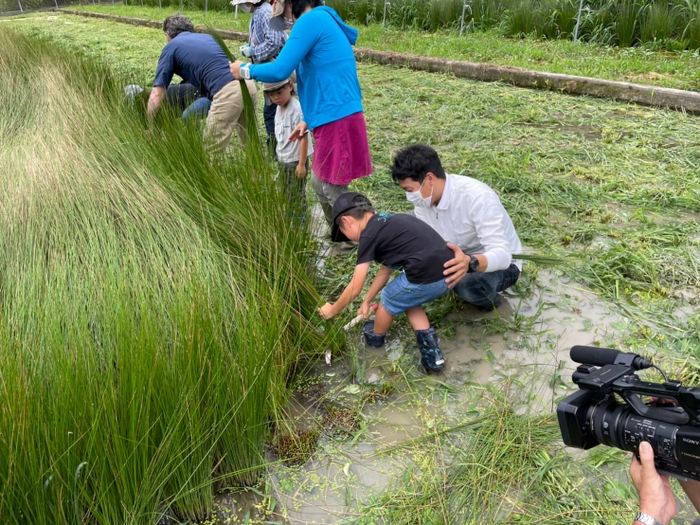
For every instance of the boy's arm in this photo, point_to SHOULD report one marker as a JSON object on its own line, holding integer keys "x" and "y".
{"x": 303, "y": 154}
{"x": 328, "y": 310}
{"x": 379, "y": 282}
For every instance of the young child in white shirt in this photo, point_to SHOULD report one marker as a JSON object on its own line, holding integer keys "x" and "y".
{"x": 292, "y": 156}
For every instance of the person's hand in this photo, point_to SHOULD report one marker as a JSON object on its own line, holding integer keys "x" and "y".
{"x": 298, "y": 132}
{"x": 456, "y": 268}
{"x": 365, "y": 310}
{"x": 326, "y": 311}
{"x": 655, "y": 496}
{"x": 245, "y": 50}
{"x": 301, "y": 171}
{"x": 235, "y": 69}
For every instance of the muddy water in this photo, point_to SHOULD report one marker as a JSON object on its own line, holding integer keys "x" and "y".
{"x": 525, "y": 342}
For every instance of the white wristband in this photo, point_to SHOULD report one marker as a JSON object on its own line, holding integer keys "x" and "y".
{"x": 244, "y": 71}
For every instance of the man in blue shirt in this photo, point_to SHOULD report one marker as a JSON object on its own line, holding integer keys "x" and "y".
{"x": 199, "y": 60}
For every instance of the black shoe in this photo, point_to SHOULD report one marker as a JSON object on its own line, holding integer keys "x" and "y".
{"x": 431, "y": 356}
{"x": 372, "y": 339}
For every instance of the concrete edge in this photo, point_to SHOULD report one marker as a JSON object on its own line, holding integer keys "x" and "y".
{"x": 677, "y": 99}
{"x": 225, "y": 33}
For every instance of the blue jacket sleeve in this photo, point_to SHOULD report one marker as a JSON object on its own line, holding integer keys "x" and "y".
{"x": 303, "y": 37}
{"x": 165, "y": 69}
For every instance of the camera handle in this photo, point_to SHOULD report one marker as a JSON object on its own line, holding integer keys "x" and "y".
{"x": 658, "y": 413}
{"x": 631, "y": 388}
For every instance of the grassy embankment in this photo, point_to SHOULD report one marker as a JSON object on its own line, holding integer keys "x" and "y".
{"x": 613, "y": 187}
{"x": 660, "y": 68}
{"x": 152, "y": 304}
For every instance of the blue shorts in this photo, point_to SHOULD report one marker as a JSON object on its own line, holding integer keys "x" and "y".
{"x": 400, "y": 295}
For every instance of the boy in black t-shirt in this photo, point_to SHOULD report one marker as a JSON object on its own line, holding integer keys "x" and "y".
{"x": 397, "y": 242}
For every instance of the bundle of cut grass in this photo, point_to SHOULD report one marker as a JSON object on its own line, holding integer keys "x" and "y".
{"x": 151, "y": 304}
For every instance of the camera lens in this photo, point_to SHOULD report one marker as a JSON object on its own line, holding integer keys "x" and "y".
{"x": 606, "y": 420}
{"x": 619, "y": 426}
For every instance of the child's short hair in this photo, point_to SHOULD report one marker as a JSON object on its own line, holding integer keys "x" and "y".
{"x": 349, "y": 204}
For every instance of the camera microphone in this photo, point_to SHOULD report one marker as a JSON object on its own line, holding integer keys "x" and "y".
{"x": 593, "y": 355}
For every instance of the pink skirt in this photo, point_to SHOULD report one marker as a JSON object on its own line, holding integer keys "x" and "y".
{"x": 341, "y": 150}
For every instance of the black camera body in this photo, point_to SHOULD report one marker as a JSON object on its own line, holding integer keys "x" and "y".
{"x": 616, "y": 408}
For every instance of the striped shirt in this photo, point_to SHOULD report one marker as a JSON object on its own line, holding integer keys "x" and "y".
{"x": 265, "y": 42}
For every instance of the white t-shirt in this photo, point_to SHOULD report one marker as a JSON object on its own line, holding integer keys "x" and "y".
{"x": 288, "y": 152}
{"x": 471, "y": 216}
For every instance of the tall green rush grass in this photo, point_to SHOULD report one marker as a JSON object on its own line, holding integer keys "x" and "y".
{"x": 152, "y": 304}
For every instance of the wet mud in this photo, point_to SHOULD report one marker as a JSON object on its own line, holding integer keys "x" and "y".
{"x": 525, "y": 341}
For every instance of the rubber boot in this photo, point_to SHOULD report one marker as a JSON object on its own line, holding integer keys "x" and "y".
{"x": 372, "y": 339}
{"x": 431, "y": 356}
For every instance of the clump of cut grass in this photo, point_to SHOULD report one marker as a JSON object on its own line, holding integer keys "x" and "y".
{"x": 340, "y": 422}
{"x": 379, "y": 393}
{"x": 296, "y": 447}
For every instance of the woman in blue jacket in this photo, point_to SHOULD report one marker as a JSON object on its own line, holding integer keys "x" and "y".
{"x": 319, "y": 48}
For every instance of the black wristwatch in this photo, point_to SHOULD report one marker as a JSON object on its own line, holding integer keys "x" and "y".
{"x": 473, "y": 264}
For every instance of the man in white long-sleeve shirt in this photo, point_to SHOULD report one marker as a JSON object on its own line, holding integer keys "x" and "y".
{"x": 470, "y": 217}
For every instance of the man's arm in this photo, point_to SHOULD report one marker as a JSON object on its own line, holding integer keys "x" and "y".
{"x": 155, "y": 100}
{"x": 164, "y": 75}
{"x": 458, "y": 267}
{"x": 303, "y": 37}
{"x": 328, "y": 310}
{"x": 488, "y": 216}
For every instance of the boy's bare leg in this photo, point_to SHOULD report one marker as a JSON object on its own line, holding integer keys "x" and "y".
{"x": 416, "y": 316}
{"x": 383, "y": 320}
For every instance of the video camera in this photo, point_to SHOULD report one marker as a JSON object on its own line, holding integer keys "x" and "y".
{"x": 616, "y": 408}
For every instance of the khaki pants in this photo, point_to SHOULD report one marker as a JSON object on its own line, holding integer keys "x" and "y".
{"x": 227, "y": 113}
{"x": 327, "y": 194}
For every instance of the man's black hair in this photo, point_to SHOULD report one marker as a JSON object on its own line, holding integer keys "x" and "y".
{"x": 299, "y": 6}
{"x": 176, "y": 24}
{"x": 413, "y": 162}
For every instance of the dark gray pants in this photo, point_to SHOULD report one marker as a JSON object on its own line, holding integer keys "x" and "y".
{"x": 481, "y": 289}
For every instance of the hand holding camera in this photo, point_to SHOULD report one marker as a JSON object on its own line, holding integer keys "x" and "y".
{"x": 656, "y": 499}
{"x": 658, "y": 422}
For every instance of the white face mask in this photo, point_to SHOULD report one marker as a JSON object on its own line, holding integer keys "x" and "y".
{"x": 415, "y": 197}
{"x": 245, "y": 8}
{"x": 288, "y": 23}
